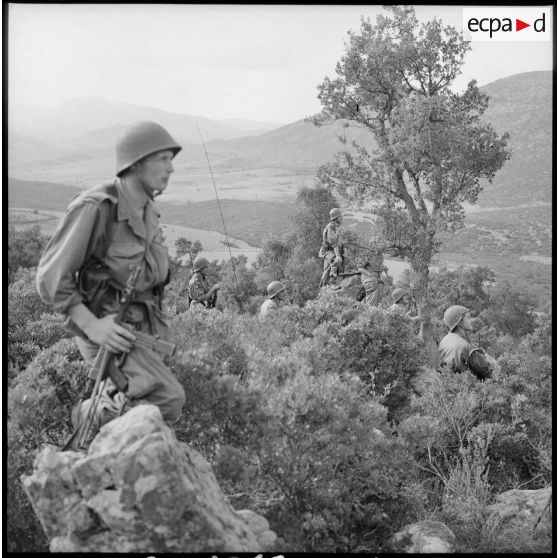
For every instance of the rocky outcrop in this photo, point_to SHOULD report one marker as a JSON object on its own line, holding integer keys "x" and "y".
{"x": 138, "y": 490}
{"x": 424, "y": 537}
{"x": 525, "y": 510}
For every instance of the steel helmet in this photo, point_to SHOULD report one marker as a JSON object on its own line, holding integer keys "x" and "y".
{"x": 398, "y": 294}
{"x": 274, "y": 288}
{"x": 139, "y": 140}
{"x": 453, "y": 315}
{"x": 199, "y": 263}
{"x": 334, "y": 213}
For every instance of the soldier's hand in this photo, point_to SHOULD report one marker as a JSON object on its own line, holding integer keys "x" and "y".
{"x": 106, "y": 333}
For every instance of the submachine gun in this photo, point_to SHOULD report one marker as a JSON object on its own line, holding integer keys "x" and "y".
{"x": 108, "y": 364}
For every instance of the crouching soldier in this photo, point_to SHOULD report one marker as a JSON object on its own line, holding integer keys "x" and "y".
{"x": 106, "y": 231}
{"x": 455, "y": 349}
{"x": 371, "y": 279}
{"x": 331, "y": 250}
{"x": 400, "y": 299}
{"x": 199, "y": 292}
{"x": 275, "y": 292}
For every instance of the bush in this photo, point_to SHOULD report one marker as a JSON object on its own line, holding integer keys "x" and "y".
{"x": 24, "y": 248}
{"x": 39, "y": 404}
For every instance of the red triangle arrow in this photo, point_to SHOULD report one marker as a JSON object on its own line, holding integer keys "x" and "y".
{"x": 519, "y": 25}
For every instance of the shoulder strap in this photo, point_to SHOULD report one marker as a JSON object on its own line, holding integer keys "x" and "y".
{"x": 112, "y": 200}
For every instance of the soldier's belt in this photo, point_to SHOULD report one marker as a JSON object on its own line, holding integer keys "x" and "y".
{"x": 147, "y": 341}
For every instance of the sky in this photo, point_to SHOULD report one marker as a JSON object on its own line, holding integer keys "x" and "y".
{"x": 258, "y": 62}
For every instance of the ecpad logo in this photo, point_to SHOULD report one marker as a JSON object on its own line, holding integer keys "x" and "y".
{"x": 507, "y": 24}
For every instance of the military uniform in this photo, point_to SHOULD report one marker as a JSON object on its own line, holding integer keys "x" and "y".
{"x": 330, "y": 241}
{"x": 268, "y": 307}
{"x": 88, "y": 261}
{"x": 197, "y": 288}
{"x": 454, "y": 351}
{"x": 372, "y": 286}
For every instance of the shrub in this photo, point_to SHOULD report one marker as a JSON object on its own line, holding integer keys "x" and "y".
{"x": 39, "y": 404}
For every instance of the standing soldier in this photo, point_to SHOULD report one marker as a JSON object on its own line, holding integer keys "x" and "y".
{"x": 199, "y": 292}
{"x": 455, "y": 349}
{"x": 331, "y": 251}
{"x": 105, "y": 231}
{"x": 275, "y": 292}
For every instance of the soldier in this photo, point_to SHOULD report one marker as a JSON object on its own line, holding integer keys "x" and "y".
{"x": 275, "y": 292}
{"x": 331, "y": 250}
{"x": 400, "y": 304}
{"x": 84, "y": 269}
{"x": 455, "y": 349}
{"x": 372, "y": 282}
{"x": 199, "y": 292}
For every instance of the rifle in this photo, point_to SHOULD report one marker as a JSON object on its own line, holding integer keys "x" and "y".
{"x": 104, "y": 362}
{"x": 348, "y": 274}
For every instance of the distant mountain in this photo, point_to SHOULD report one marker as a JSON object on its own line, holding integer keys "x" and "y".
{"x": 520, "y": 104}
{"x": 74, "y": 143}
{"x": 253, "y": 126}
{"x": 77, "y": 117}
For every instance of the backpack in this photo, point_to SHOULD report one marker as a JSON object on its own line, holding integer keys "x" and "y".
{"x": 479, "y": 365}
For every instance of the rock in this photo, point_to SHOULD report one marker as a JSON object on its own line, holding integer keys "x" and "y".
{"x": 424, "y": 380}
{"x": 138, "y": 490}
{"x": 350, "y": 286}
{"x": 424, "y": 537}
{"x": 259, "y": 525}
{"x": 521, "y": 509}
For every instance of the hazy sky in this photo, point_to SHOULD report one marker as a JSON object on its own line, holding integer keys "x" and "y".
{"x": 220, "y": 61}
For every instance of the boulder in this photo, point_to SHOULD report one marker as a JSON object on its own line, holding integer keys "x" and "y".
{"x": 259, "y": 525}
{"x": 522, "y": 509}
{"x": 424, "y": 537}
{"x": 137, "y": 489}
{"x": 350, "y": 286}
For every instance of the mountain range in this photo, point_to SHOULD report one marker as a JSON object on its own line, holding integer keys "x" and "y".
{"x": 76, "y": 140}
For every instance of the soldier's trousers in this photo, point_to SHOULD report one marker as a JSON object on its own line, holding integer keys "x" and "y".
{"x": 149, "y": 379}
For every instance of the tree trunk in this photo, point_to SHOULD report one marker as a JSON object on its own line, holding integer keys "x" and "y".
{"x": 419, "y": 285}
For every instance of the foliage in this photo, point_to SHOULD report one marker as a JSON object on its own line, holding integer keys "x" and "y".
{"x": 25, "y": 248}
{"x": 39, "y": 403}
{"x": 31, "y": 326}
{"x": 310, "y": 417}
{"x": 511, "y": 311}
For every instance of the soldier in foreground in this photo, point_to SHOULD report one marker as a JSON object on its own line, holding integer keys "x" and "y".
{"x": 455, "y": 350}
{"x": 331, "y": 250}
{"x": 106, "y": 231}
{"x": 275, "y": 292}
{"x": 199, "y": 292}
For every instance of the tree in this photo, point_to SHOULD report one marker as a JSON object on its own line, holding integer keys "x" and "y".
{"x": 190, "y": 247}
{"x": 429, "y": 147}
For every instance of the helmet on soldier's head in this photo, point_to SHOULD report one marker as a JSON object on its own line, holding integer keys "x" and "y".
{"x": 274, "y": 288}
{"x": 199, "y": 263}
{"x": 139, "y": 140}
{"x": 334, "y": 213}
{"x": 453, "y": 315}
{"x": 398, "y": 294}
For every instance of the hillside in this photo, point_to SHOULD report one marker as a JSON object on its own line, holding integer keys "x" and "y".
{"x": 74, "y": 143}
{"x": 78, "y": 117}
